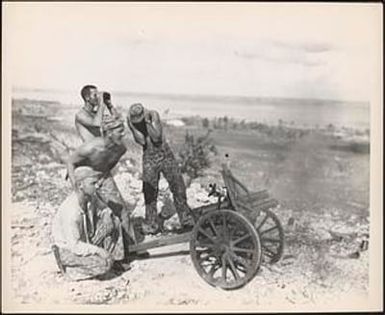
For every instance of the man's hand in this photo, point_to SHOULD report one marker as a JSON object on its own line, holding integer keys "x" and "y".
{"x": 130, "y": 125}
{"x": 107, "y": 99}
{"x": 102, "y": 253}
{"x": 154, "y": 126}
{"x": 138, "y": 136}
{"x": 96, "y": 250}
{"x": 147, "y": 118}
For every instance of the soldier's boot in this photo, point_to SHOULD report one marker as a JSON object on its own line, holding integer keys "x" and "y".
{"x": 151, "y": 223}
{"x": 150, "y": 228}
{"x": 120, "y": 266}
{"x": 186, "y": 220}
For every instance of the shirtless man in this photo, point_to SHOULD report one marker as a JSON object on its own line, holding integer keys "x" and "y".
{"x": 89, "y": 118}
{"x": 81, "y": 252}
{"x": 102, "y": 154}
{"x": 157, "y": 157}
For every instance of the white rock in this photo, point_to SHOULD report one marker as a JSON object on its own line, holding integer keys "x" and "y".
{"x": 62, "y": 172}
{"x": 159, "y": 204}
{"x": 140, "y": 199}
{"x": 172, "y": 223}
{"x": 163, "y": 184}
{"x": 136, "y": 184}
{"x": 139, "y": 211}
{"x": 194, "y": 186}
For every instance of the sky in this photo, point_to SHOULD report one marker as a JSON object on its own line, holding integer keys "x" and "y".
{"x": 247, "y": 49}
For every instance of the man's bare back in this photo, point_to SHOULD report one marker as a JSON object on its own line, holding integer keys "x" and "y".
{"x": 101, "y": 154}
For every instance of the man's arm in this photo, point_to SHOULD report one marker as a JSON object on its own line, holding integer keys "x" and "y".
{"x": 88, "y": 121}
{"x": 110, "y": 107}
{"x": 154, "y": 126}
{"x": 79, "y": 247}
{"x": 125, "y": 139}
{"x": 113, "y": 111}
{"x": 138, "y": 136}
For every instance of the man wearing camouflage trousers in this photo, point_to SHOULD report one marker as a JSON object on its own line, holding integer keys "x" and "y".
{"x": 157, "y": 158}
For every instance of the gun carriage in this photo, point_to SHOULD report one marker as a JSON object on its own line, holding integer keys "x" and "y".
{"x": 232, "y": 237}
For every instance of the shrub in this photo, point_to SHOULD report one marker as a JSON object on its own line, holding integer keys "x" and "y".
{"x": 205, "y": 123}
{"x": 194, "y": 155}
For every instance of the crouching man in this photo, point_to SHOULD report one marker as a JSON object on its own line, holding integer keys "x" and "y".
{"x": 87, "y": 235}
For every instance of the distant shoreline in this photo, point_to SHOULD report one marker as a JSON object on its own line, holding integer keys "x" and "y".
{"x": 277, "y": 100}
{"x": 39, "y": 107}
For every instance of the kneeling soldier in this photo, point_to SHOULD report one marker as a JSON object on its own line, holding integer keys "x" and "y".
{"x": 87, "y": 236}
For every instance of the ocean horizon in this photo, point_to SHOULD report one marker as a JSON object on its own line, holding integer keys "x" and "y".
{"x": 270, "y": 110}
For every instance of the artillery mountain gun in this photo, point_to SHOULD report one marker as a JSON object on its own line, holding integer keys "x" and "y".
{"x": 232, "y": 237}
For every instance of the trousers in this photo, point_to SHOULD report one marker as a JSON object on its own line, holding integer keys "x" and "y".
{"x": 82, "y": 267}
{"x": 109, "y": 193}
{"x": 109, "y": 234}
{"x": 155, "y": 162}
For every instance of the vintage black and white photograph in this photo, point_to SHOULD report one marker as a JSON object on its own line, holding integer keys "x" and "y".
{"x": 191, "y": 156}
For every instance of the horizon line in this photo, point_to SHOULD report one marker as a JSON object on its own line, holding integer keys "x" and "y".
{"x": 197, "y": 95}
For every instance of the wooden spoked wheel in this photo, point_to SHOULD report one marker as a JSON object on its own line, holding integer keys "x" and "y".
{"x": 225, "y": 249}
{"x": 271, "y": 235}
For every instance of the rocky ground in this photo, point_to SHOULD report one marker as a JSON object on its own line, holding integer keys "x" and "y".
{"x": 323, "y": 263}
